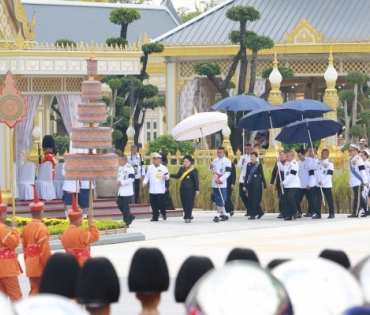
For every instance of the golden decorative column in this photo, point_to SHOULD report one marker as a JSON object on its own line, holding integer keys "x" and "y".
{"x": 130, "y": 132}
{"x": 274, "y": 98}
{"x": 34, "y": 155}
{"x": 226, "y": 132}
{"x": 331, "y": 99}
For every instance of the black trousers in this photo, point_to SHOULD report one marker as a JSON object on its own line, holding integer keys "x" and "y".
{"x": 243, "y": 196}
{"x": 282, "y": 202}
{"x": 291, "y": 201}
{"x": 254, "y": 198}
{"x": 228, "y": 203}
{"x": 168, "y": 201}
{"x": 329, "y": 199}
{"x": 123, "y": 203}
{"x": 137, "y": 189}
{"x": 187, "y": 197}
{"x": 158, "y": 203}
{"x": 358, "y": 200}
{"x": 309, "y": 194}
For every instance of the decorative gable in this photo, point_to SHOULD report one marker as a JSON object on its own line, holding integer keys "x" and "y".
{"x": 304, "y": 33}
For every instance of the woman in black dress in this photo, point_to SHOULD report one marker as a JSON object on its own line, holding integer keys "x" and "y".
{"x": 253, "y": 182}
{"x": 189, "y": 186}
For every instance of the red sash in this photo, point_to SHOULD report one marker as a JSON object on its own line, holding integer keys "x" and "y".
{"x": 7, "y": 253}
{"x": 79, "y": 252}
{"x": 32, "y": 251}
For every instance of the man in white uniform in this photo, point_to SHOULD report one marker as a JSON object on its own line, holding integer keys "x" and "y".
{"x": 242, "y": 164}
{"x": 125, "y": 178}
{"x": 291, "y": 185}
{"x": 357, "y": 180}
{"x": 156, "y": 175}
{"x": 136, "y": 161}
{"x": 221, "y": 168}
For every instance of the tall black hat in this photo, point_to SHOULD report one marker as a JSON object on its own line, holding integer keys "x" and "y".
{"x": 48, "y": 142}
{"x": 242, "y": 254}
{"x": 148, "y": 271}
{"x": 98, "y": 283}
{"x": 60, "y": 275}
{"x": 190, "y": 272}
{"x": 337, "y": 256}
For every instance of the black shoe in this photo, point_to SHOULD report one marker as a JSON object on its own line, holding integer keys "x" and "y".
{"x": 352, "y": 216}
{"x": 164, "y": 217}
{"x": 132, "y": 219}
{"x": 247, "y": 215}
{"x": 280, "y": 216}
{"x": 299, "y": 215}
{"x": 288, "y": 219}
{"x": 260, "y": 215}
{"x": 191, "y": 218}
{"x": 308, "y": 215}
{"x": 331, "y": 216}
{"x": 364, "y": 215}
{"x": 231, "y": 213}
{"x": 224, "y": 218}
{"x": 316, "y": 216}
{"x": 251, "y": 217}
{"x": 295, "y": 216}
{"x": 216, "y": 219}
{"x": 127, "y": 226}
{"x": 154, "y": 219}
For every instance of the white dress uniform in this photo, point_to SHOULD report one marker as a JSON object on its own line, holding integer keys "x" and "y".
{"x": 221, "y": 166}
{"x": 325, "y": 170}
{"x": 367, "y": 168}
{"x": 137, "y": 162}
{"x": 306, "y": 172}
{"x": 126, "y": 175}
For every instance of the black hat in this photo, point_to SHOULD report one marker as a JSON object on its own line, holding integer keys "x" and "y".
{"x": 188, "y": 157}
{"x": 242, "y": 254}
{"x": 148, "y": 271}
{"x": 337, "y": 256}
{"x": 60, "y": 275}
{"x": 98, "y": 283}
{"x": 164, "y": 157}
{"x": 48, "y": 142}
{"x": 190, "y": 272}
{"x": 275, "y": 262}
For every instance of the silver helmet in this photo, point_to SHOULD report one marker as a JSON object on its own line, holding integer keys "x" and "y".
{"x": 238, "y": 288}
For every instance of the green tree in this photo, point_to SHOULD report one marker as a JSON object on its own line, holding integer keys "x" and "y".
{"x": 61, "y": 144}
{"x": 123, "y": 17}
{"x": 186, "y": 14}
{"x": 65, "y": 43}
{"x": 346, "y": 97}
{"x": 167, "y": 144}
{"x": 286, "y": 72}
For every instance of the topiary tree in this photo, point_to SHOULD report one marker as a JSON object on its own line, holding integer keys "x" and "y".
{"x": 346, "y": 97}
{"x": 167, "y": 144}
{"x": 61, "y": 144}
{"x": 123, "y": 17}
{"x": 65, "y": 43}
{"x": 286, "y": 72}
{"x": 116, "y": 41}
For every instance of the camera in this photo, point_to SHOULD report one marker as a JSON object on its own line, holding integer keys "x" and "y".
{"x": 135, "y": 169}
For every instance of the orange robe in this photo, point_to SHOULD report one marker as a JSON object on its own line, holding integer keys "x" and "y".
{"x": 36, "y": 250}
{"x": 50, "y": 157}
{"x": 76, "y": 241}
{"x": 9, "y": 265}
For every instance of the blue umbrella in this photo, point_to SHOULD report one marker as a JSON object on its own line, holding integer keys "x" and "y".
{"x": 309, "y": 107}
{"x": 269, "y": 117}
{"x": 240, "y": 103}
{"x": 308, "y": 130}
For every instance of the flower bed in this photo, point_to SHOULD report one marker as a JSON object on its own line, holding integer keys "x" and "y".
{"x": 57, "y": 226}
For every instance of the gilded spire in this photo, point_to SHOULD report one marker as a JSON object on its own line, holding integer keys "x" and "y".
{"x": 331, "y": 59}
{"x": 275, "y": 60}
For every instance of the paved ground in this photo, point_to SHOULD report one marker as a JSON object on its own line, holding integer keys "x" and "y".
{"x": 269, "y": 237}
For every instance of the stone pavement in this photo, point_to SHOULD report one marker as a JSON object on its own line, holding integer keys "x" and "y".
{"x": 269, "y": 237}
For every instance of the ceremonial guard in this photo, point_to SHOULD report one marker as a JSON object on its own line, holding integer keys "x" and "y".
{"x": 35, "y": 243}
{"x": 148, "y": 277}
{"x": 229, "y": 206}
{"x": 189, "y": 186}
{"x": 306, "y": 176}
{"x": 157, "y": 175}
{"x": 136, "y": 161}
{"x": 9, "y": 265}
{"x": 357, "y": 179}
{"x": 48, "y": 144}
{"x": 291, "y": 185}
{"x": 254, "y": 179}
{"x": 77, "y": 240}
{"x": 276, "y": 177}
{"x": 221, "y": 168}
{"x": 366, "y": 192}
{"x": 325, "y": 170}
{"x": 312, "y": 192}
{"x": 242, "y": 164}
{"x": 126, "y": 176}
{"x": 98, "y": 286}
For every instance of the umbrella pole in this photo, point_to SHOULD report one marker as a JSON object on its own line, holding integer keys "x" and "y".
{"x": 317, "y": 173}
{"x": 218, "y": 186}
{"x": 243, "y": 136}
{"x": 276, "y": 153}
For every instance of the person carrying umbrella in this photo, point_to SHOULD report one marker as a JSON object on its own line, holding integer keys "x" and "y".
{"x": 254, "y": 179}
{"x": 357, "y": 179}
{"x": 221, "y": 168}
{"x": 189, "y": 186}
{"x": 291, "y": 184}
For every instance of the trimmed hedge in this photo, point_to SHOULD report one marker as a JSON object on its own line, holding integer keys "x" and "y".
{"x": 57, "y": 226}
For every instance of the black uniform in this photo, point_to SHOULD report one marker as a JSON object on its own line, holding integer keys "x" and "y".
{"x": 281, "y": 196}
{"x": 229, "y": 207}
{"x": 254, "y": 179}
{"x": 188, "y": 186}
{"x": 167, "y": 197}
